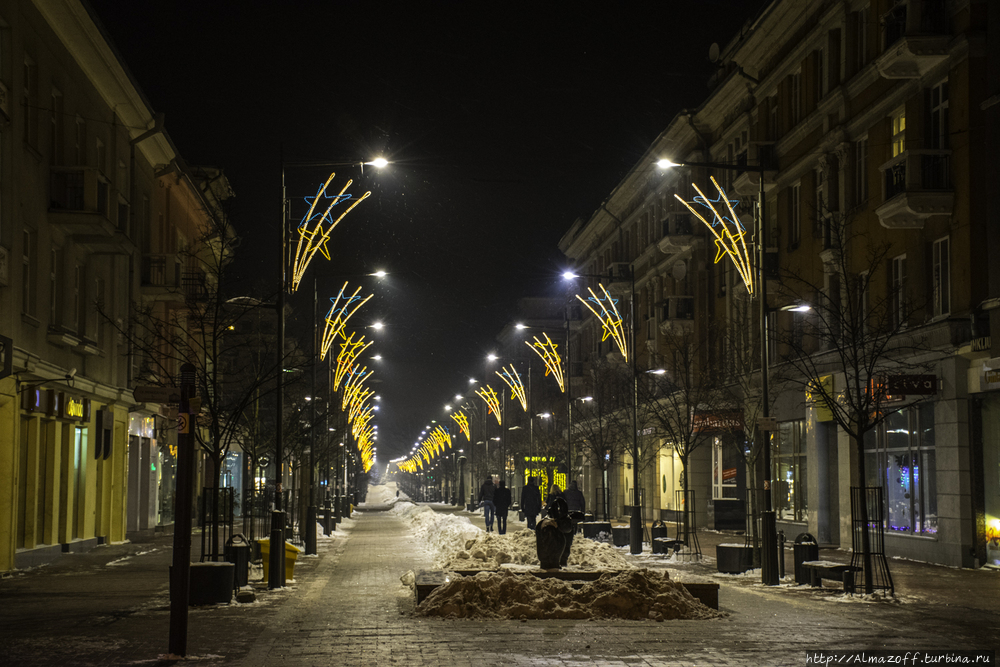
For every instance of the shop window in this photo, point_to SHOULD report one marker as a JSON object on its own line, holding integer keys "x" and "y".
{"x": 725, "y": 465}
{"x": 900, "y": 457}
{"x": 789, "y": 456}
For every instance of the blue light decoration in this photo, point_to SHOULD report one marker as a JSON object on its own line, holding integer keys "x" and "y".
{"x": 315, "y": 228}
{"x": 730, "y": 239}
{"x": 608, "y": 317}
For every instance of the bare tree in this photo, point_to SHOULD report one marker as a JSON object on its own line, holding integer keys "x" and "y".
{"x": 856, "y": 338}
{"x": 193, "y": 320}
{"x": 602, "y": 424}
{"x": 673, "y": 397}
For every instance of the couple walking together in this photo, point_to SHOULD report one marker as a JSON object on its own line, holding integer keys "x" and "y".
{"x": 495, "y": 500}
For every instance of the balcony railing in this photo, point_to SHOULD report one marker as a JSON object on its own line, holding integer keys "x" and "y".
{"x": 916, "y": 184}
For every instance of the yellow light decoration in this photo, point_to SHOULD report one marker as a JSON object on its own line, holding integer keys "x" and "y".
{"x": 489, "y": 395}
{"x": 730, "y": 240}
{"x": 553, "y": 362}
{"x": 349, "y": 351}
{"x": 358, "y": 404}
{"x": 463, "y": 424}
{"x": 313, "y": 235}
{"x": 609, "y": 318}
{"x": 513, "y": 380}
{"x": 340, "y": 311}
{"x": 354, "y": 385}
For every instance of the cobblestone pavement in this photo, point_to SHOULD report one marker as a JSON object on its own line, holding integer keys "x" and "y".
{"x": 348, "y": 607}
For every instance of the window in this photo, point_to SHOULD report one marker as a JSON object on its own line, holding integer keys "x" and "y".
{"x": 939, "y": 118}
{"x": 123, "y": 198}
{"x": 56, "y": 134}
{"x": 820, "y": 198}
{"x": 898, "y": 132}
{"x": 80, "y": 142}
{"x": 789, "y": 448}
{"x": 864, "y": 301}
{"x": 773, "y": 119}
{"x": 897, "y": 289}
{"x": 102, "y": 157}
{"x": 99, "y": 320}
{"x": 795, "y": 221}
{"x": 900, "y": 457}
{"x": 819, "y": 74}
{"x": 54, "y": 290}
{"x": 861, "y": 171}
{"x": 30, "y": 101}
{"x": 941, "y": 276}
{"x": 79, "y": 303}
{"x": 28, "y": 273}
{"x": 795, "y": 91}
{"x": 860, "y": 51}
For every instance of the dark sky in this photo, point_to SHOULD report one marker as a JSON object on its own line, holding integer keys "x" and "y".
{"x": 504, "y": 124}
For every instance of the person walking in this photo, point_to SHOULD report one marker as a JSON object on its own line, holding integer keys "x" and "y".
{"x": 531, "y": 502}
{"x": 554, "y": 492}
{"x": 486, "y": 493}
{"x": 575, "y": 502}
{"x": 501, "y": 499}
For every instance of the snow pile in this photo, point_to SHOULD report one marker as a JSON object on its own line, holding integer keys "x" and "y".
{"x": 632, "y": 594}
{"x": 384, "y": 494}
{"x": 489, "y": 551}
{"x": 440, "y": 532}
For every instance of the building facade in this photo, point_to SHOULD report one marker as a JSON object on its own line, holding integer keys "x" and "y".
{"x": 85, "y": 168}
{"x": 865, "y": 122}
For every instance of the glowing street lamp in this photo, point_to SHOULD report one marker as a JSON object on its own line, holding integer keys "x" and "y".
{"x": 730, "y": 243}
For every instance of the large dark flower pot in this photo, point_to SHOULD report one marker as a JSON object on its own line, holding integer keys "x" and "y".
{"x": 733, "y": 558}
{"x": 211, "y": 583}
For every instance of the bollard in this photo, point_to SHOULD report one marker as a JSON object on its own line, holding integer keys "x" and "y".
{"x": 781, "y": 554}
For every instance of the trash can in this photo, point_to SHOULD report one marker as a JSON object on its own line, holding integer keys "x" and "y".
{"x": 804, "y": 548}
{"x": 658, "y": 529}
{"x": 237, "y": 552}
{"x": 291, "y": 553}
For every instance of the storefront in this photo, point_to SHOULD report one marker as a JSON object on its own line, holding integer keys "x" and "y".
{"x": 69, "y": 494}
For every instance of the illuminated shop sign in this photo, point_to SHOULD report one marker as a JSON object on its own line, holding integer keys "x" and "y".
{"x": 56, "y": 404}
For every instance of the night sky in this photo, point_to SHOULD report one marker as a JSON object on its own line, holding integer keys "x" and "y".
{"x": 504, "y": 124}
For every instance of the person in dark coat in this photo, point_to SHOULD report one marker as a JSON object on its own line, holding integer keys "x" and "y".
{"x": 574, "y": 498}
{"x": 501, "y": 499}
{"x": 531, "y": 502}
{"x": 486, "y": 494}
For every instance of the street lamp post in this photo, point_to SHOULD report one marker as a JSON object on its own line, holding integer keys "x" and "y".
{"x": 276, "y": 561}
{"x": 635, "y": 518}
{"x": 769, "y": 536}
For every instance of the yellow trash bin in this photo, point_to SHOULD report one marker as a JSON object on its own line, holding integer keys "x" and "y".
{"x": 291, "y": 554}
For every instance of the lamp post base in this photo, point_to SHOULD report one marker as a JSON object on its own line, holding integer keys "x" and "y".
{"x": 635, "y": 531}
{"x": 768, "y": 549}
{"x": 311, "y": 513}
{"x": 276, "y": 558}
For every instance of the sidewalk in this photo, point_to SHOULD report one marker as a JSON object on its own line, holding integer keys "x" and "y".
{"x": 347, "y": 606}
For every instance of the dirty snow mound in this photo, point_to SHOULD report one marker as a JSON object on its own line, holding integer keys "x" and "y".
{"x": 489, "y": 551}
{"x": 633, "y": 594}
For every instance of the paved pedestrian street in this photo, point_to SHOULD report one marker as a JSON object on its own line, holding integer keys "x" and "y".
{"x": 347, "y": 606}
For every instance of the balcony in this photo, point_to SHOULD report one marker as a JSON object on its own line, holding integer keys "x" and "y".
{"x": 916, "y": 185}
{"x": 678, "y": 234}
{"x": 79, "y": 205}
{"x": 676, "y": 311}
{"x": 747, "y": 183}
{"x": 916, "y": 39}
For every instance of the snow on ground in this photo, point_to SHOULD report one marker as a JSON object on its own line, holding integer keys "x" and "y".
{"x": 505, "y": 588}
{"x": 632, "y": 594}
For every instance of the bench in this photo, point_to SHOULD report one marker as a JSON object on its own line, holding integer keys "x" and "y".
{"x": 826, "y": 569}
